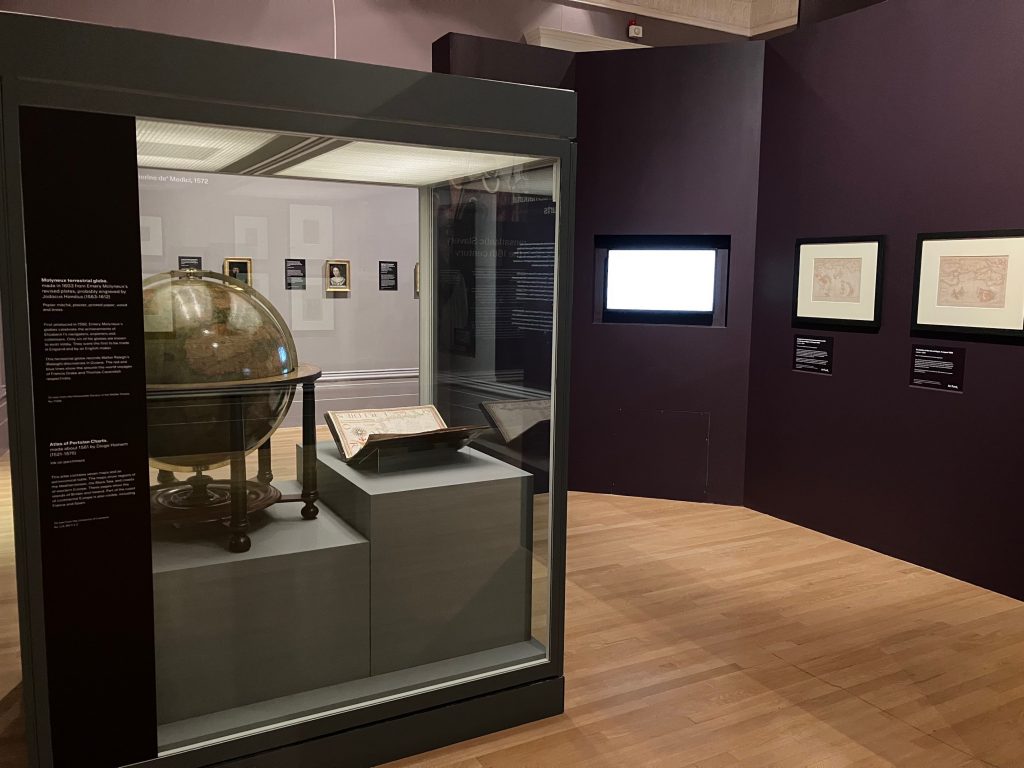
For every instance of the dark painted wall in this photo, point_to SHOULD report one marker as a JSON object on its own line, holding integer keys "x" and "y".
{"x": 902, "y": 118}
{"x": 819, "y": 10}
{"x": 473, "y": 56}
{"x": 668, "y": 144}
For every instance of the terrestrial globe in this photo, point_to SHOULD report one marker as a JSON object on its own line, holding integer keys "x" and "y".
{"x": 207, "y": 334}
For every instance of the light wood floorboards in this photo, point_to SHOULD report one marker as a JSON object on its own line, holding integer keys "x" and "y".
{"x": 703, "y": 636}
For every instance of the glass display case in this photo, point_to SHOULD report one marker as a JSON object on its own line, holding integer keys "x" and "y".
{"x": 288, "y": 458}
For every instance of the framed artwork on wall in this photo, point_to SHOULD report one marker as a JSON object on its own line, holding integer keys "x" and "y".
{"x": 239, "y": 268}
{"x": 970, "y": 283}
{"x": 837, "y": 283}
{"x": 337, "y": 276}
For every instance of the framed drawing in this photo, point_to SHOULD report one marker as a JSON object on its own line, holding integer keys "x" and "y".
{"x": 970, "y": 283}
{"x": 337, "y": 276}
{"x": 239, "y": 268}
{"x": 837, "y": 282}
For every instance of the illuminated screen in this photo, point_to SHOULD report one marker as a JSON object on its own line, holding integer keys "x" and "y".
{"x": 661, "y": 280}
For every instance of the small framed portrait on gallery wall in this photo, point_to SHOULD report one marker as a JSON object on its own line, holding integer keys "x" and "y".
{"x": 837, "y": 283}
{"x": 970, "y": 283}
{"x": 239, "y": 269}
{"x": 337, "y": 276}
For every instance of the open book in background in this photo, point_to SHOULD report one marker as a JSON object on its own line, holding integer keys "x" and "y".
{"x": 362, "y": 434}
{"x": 513, "y": 419}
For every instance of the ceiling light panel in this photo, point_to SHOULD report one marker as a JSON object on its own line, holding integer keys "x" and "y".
{"x": 400, "y": 164}
{"x": 186, "y": 147}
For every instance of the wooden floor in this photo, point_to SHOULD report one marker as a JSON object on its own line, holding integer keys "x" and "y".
{"x": 704, "y": 636}
{"x": 711, "y": 637}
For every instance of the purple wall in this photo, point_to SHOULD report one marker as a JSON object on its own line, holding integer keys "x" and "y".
{"x": 819, "y": 10}
{"x": 395, "y": 33}
{"x": 902, "y": 118}
{"x": 668, "y": 144}
{"x": 472, "y": 56}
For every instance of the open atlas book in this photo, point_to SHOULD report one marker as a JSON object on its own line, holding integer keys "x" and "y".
{"x": 360, "y": 434}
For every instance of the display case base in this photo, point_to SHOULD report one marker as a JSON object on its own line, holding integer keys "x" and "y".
{"x": 419, "y": 732}
{"x": 317, "y": 702}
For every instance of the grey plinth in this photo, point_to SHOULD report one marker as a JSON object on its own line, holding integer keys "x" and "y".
{"x": 290, "y": 615}
{"x": 450, "y": 554}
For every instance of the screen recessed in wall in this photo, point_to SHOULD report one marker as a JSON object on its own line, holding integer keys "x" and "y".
{"x": 645, "y": 280}
{"x": 661, "y": 281}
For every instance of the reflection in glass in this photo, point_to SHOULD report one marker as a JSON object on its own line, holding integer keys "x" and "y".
{"x": 412, "y": 575}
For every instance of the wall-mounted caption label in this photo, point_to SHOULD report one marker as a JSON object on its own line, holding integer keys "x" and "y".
{"x": 813, "y": 354}
{"x": 295, "y": 274}
{"x": 940, "y": 368}
{"x": 388, "y": 276}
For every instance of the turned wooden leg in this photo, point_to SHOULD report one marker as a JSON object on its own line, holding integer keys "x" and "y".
{"x": 238, "y": 541}
{"x": 309, "y": 490}
{"x": 264, "y": 475}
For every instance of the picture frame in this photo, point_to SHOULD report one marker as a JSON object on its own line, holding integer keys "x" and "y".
{"x": 837, "y": 283}
{"x": 969, "y": 284}
{"x": 239, "y": 268}
{"x": 337, "y": 276}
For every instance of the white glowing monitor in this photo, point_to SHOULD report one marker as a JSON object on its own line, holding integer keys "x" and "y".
{"x": 680, "y": 280}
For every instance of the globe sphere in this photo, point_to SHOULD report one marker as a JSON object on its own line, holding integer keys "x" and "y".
{"x": 214, "y": 349}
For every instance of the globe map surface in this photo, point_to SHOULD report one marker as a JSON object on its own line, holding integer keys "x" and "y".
{"x": 208, "y": 339}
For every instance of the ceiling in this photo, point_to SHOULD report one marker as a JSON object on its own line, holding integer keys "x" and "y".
{"x": 214, "y": 149}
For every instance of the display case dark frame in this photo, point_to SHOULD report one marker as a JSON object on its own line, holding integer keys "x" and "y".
{"x": 717, "y": 318}
{"x": 821, "y": 323}
{"x": 958, "y": 332}
{"x": 53, "y": 64}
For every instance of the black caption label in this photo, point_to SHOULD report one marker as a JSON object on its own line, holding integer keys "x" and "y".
{"x": 388, "y": 276}
{"x": 813, "y": 354}
{"x": 935, "y": 367}
{"x": 295, "y": 274}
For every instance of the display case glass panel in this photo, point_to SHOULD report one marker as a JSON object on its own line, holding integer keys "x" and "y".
{"x": 297, "y": 571}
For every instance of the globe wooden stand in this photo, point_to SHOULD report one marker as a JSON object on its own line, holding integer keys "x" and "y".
{"x": 201, "y": 499}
